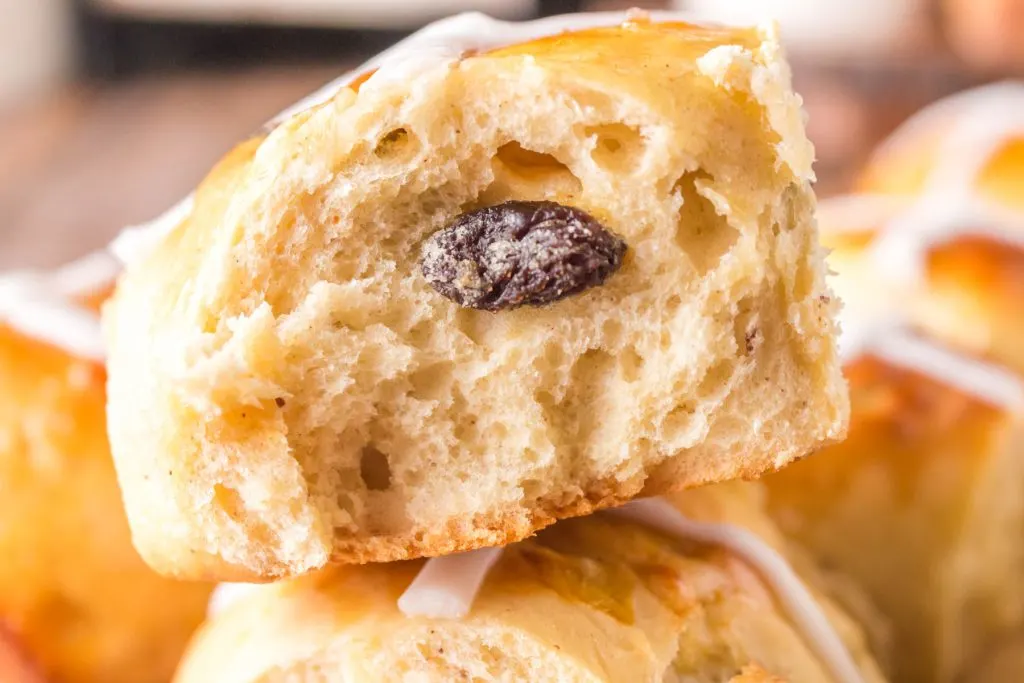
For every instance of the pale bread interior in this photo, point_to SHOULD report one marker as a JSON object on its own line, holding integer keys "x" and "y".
{"x": 305, "y": 394}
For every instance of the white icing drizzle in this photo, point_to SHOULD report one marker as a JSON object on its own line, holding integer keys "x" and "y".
{"x": 978, "y": 121}
{"x": 41, "y": 305}
{"x": 136, "y": 242}
{"x": 799, "y": 604}
{"x": 868, "y": 322}
{"x": 901, "y": 245}
{"x": 885, "y": 334}
{"x": 906, "y": 229}
{"x": 857, "y": 213}
{"x": 227, "y": 594}
{"x": 443, "y": 589}
{"x": 988, "y": 382}
{"x": 447, "y": 40}
{"x": 446, "y": 586}
{"x": 862, "y": 330}
{"x": 87, "y": 275}
{"x": 436, "y": 45}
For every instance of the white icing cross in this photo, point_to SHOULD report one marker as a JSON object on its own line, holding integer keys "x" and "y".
{"x": 41, "y": 305}
{"x": 446, "y": 586}
{"x": 979, "y": 121}
{"x": 227, "y": 594}
{"x": 905, "y": 230}
{"x": 993, "y": 384}
{"x": 799, "y": 604}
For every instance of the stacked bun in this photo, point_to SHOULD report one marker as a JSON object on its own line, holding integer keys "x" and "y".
{"x": 601, "y": 598}
{"x": 77, "y": 604}
{"x": 923, "y": 504}
{"x": 504, "y": 276}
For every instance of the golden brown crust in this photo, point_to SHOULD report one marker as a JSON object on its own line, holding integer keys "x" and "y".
{"x": 1002, "y": 176}
{"x": 970, "y": 295}
{"x": 920, "y": 505}
{"x": 1000, "y": 663}
{"x": 77, "y": 599}
{"x": 482, "y": 531}
{"x": 753, "y": 673}
{"x": 502, "y": 529}
{"x": 973, "y": 261}
{"x": 903, "y": 403}
{"x": 975, "y": 297}
{"x": 15, "y": 665}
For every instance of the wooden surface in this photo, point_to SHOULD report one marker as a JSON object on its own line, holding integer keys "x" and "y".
{"x": 81, "y": 164}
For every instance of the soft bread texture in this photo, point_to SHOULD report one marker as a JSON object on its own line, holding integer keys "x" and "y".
{"x": 286, "y": 389}
{"x": 77, "y": 604}
{"x": 848, "y": 225}
{"x": 595, "y": 599}
{"x": 923, "y": 506}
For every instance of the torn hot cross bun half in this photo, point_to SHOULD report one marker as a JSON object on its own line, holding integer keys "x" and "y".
{"x": 483, "y": 289}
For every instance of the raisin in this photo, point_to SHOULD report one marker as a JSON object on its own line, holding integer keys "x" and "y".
{"x": 520, "y": 254}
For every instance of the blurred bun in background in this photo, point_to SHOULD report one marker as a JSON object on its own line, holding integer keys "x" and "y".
{"x": 969, "y": 143}
{"x": 833, "y": 28}
{"x": 923, "y": 502}
{"x": 936, "y": 235}
{"x": 77, "y": 604}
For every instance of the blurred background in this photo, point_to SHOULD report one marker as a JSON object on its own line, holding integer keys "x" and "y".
{"x": 111, "y": 110}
